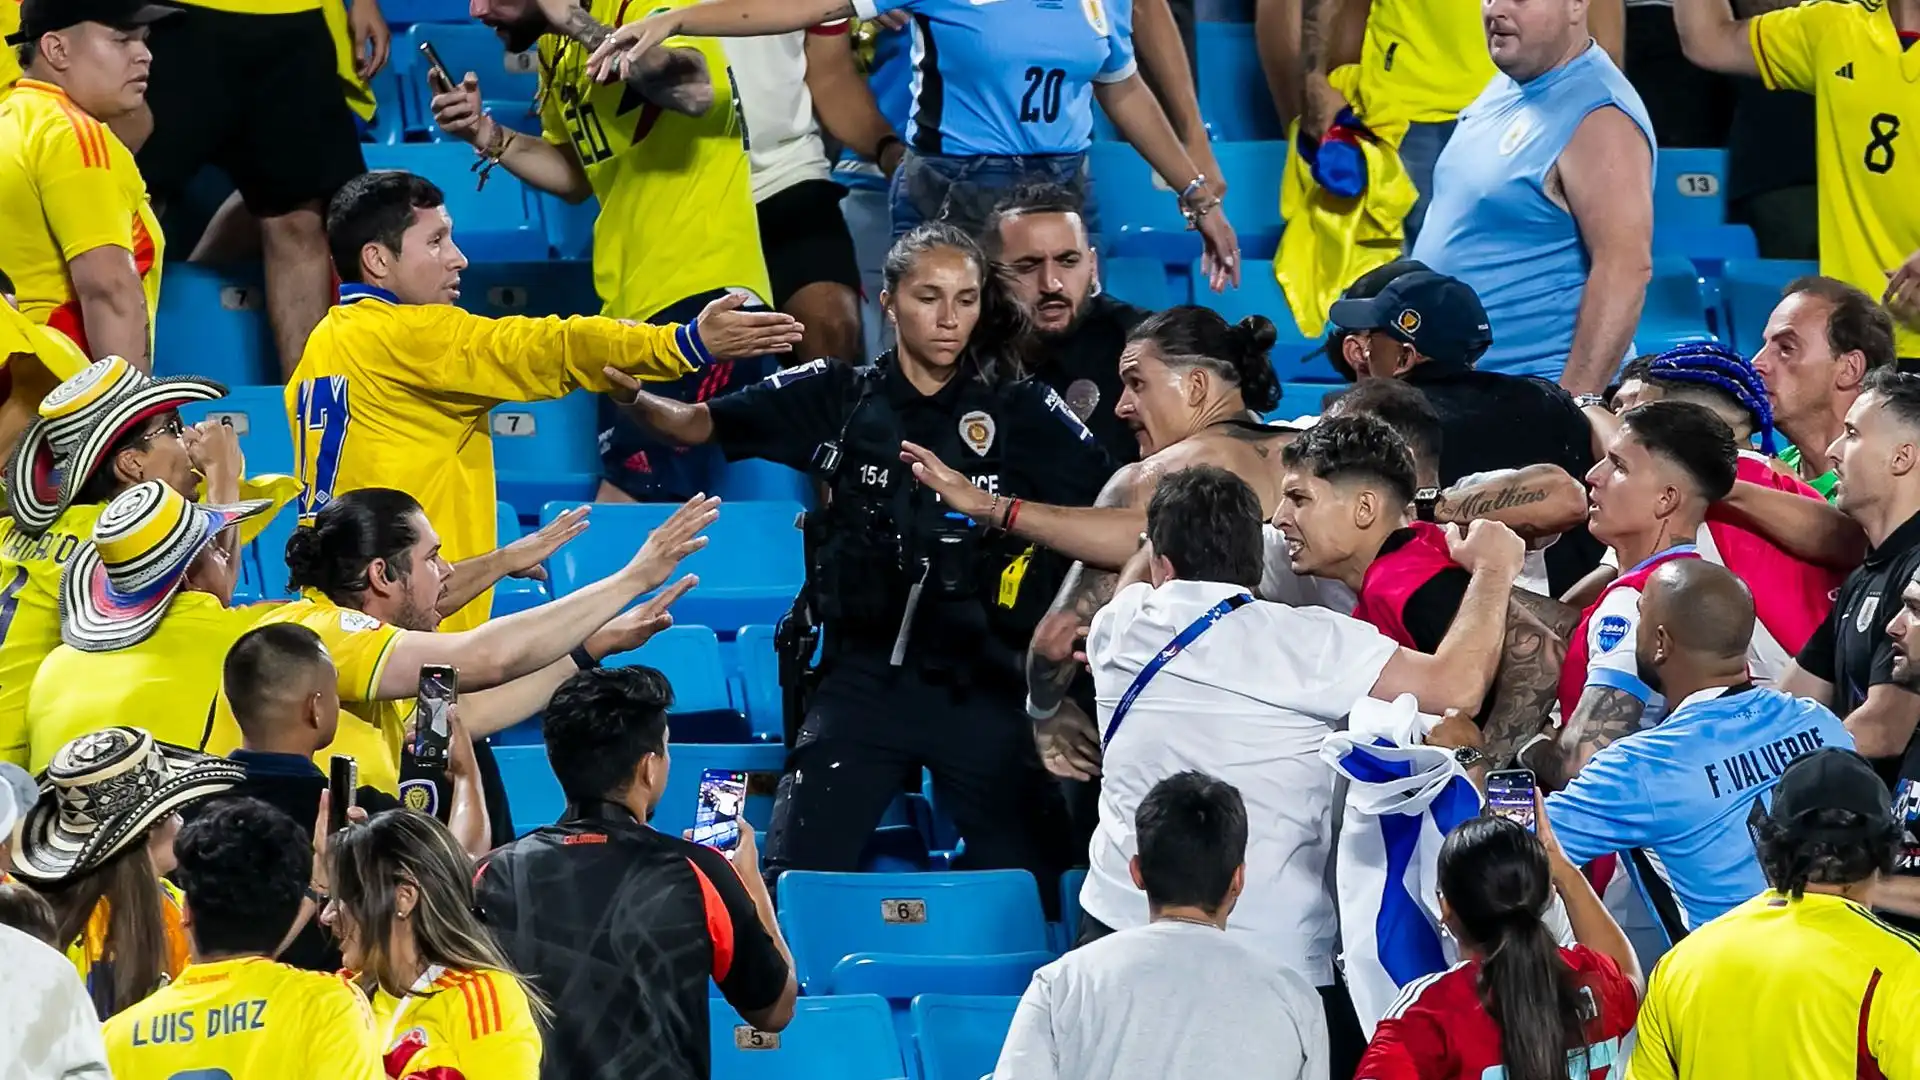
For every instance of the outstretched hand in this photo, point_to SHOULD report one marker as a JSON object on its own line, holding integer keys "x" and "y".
{"x": 525, "y": 555}
{"x": 950, "y": 484}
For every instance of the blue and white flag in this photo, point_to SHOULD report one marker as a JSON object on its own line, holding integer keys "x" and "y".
{"x": 1402, "y": 800}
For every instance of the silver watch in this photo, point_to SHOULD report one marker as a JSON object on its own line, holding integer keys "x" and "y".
{"x": 1467, "y": 756}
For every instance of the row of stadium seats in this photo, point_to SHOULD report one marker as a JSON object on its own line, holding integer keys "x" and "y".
{"x": 858, "y": 1037}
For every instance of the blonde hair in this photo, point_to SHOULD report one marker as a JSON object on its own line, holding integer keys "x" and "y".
{"x": 368, "y": 862}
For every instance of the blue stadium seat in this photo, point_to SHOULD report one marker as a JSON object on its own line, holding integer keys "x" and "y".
{"x": 1674, "y": 313}
{"x": 959, "y": 1038}
{"x": 540, "y": 287}
{"x": 570, "y": 225}
{"x": 1140, "y": 215}
{"x": 212, "y": 322}
{"x": 405, "y": 12}
{"x": 834, "y": 1038}
{"x": 1070, "y": 884}
{"x": 1298, "y": 399}
{"x": 532, "y": 791}
{"x": 1688, "y": 188}
{"x": 513, "y": 594}
{"x": 497, "y": 223}
{"x": 675, "y": 813}
{"x": 389, "y": 123}
{"x": 750, "y": 570}
{"x": 1252, "y": 171}
{"x": 689, "y": 656}
{"x": 1232, "y": 11}
{"x": 1295, "y": 357}
{"x": 1233, "y": 94}
{"x": 1751, "y": 288}
{"x": 1140, "y": 282}
{"x": 760, "y": 678}
{"x": 259, "y": 417}
{"x": 754, "y": 480}
{"x": 902, "y": 977}
{"x": 508, "y": 81}
{"x": 1707, "y": 245}
{"x": 546, "y": 450}
{"x": 829, "y": 916}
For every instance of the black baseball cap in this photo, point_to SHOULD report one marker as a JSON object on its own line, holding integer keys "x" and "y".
{"x": 1830, "y": 779}
{"x": 39, "y": 17}
{"x": 1440, "y": 316}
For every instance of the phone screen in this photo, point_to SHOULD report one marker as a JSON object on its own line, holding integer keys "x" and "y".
{"x": 1510, "y": 794}
{"x": 439, "y": 688}
{"x": 343, "y": 786}
{"x": 716, "y": 820}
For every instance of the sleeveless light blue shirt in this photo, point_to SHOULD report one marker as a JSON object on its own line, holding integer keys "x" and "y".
{"x": 1491, "y": 223}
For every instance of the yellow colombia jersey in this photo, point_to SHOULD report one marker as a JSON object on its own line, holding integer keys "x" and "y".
{"x": 676, "y": 204}
{"x": 397, "y": 395}
{"x": 30, "y": 612}
{"x": 370, "y": 731}
{"x": 247, "y": 1019}
{"x": 69, "y": 186}
{"x": 167, "y": 684}
{"x": 1829, "y": 991}
{"x": 1422, "y": 61}
{"x": 1847, "y": 54}
{"x": 459, "y": 1025}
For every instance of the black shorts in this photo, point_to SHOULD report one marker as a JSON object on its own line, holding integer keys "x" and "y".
{"x": 805, "y": 240}
{"x": 258, "y": 96}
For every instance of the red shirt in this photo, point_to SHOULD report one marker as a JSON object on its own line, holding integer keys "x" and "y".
{"x": 1438, "y": 1030}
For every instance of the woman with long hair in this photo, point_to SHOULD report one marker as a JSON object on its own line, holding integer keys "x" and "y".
{"x": 1518, "y": 1001}
{"x": 444, "y": 995}
{"x": 924, "y": 610}
{"x": 96, "y": 844}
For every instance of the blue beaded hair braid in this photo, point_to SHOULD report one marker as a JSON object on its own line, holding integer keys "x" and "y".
{"x": 1712, "y": 364}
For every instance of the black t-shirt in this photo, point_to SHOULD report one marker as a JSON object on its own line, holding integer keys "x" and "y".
{"x": 292, "y": 784}
{"x": 1851, "y": 648}
{"x": 621, "y": 926}
{"x": 1491, "y": 421}
{"x": 1084, "y": 366}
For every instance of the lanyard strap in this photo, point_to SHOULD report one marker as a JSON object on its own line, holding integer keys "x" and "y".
{"x": 1165, "y": 656}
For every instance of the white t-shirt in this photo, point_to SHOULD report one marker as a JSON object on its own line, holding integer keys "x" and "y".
{"x": 1249, "y": 702}
{"x": 1169, "y": 1001}
{"x": 1281, "y": 585}
{"x": 783, "y": 140}
{"x": 48, "y": 1027}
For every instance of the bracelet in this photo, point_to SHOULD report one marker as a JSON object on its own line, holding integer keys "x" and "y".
{"x": 993, "y": 514}
{"x": 318, "y": 895}
{"x": 1013, "y": 512}
{"x": 583, "y": 659}
{"x": 1198, "y": 183}
{"x": 1591, "y": 401}
{"x": 1194, "y": 213}
{"x": 491, "y": 153}
{"x": 1036, "y": 712}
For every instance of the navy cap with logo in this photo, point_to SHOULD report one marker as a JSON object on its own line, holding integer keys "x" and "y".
{"x": 1440, "y": 316}
{"x": 41, "y": 17}
{"x": 1830, "y": 778}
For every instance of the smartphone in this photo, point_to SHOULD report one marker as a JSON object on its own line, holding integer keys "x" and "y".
{"x": 716, "y": 820}
{"x": 1510, "y": 794}
{"x": 343, "y": 787}
{"x": 439, "y": 688}
{"x": 437, "y": 72}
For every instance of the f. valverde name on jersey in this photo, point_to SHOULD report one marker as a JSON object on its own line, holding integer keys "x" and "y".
{"x": 1749, "y": 768}
{"x": 188, "y": 1025}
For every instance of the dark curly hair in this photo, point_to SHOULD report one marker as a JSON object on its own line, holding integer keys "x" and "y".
{"x": 1190, "y": 335}
{"x": 1001, "y": 345}
{"x": 334, "y": 553}
{"x": 1359, "y": 445}
{"x": 600, "y": 724}
{"x": 246, "y": 866}
{"x": 1825, "y": 847}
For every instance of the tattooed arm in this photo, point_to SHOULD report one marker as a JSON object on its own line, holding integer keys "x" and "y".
{"x": 1050, "y": 663}
{"x": 673, "y": 78}
{"x": 1537, "y": 501}
{"x": 1604, "y": 716}
{"x": 1529, "y": 676}
{"x": 1320, "y": 102}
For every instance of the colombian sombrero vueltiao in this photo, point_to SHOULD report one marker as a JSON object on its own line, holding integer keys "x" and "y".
{"x": 79, "y": 423}
{"x": 116, "y": 588}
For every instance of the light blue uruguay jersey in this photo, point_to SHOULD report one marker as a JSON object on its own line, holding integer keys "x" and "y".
{"x": 1683, "y": 790}
{"x": 1009, "y": 77}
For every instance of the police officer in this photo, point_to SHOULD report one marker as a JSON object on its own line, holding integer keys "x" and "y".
{"x": 925, "y": 612}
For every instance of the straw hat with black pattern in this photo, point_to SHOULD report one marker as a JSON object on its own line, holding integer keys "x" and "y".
{"x": 79, "y": 423}
{"x": 115, "y": 589}
{"x": 102, "y": 792}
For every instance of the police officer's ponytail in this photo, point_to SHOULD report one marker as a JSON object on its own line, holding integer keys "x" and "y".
{"x": 334, "y": 554}
{"x": 1190, "y": 334}
{"x": 1000, "y": 347}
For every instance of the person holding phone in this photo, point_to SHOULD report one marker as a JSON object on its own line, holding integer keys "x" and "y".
{"x": 1518, "y": 1002}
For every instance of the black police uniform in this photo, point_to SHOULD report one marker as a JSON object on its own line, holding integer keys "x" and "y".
{"x": 1084, "y": 366}
{"x": 940, "y": 688}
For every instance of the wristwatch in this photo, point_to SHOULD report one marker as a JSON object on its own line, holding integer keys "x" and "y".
{"x": 1468, "y": 756}
{"x": 1425, "y": 502}
{"x": 1591, "y": 401}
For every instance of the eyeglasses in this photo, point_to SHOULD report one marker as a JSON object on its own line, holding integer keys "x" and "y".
{"x": 172, "y": 427}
